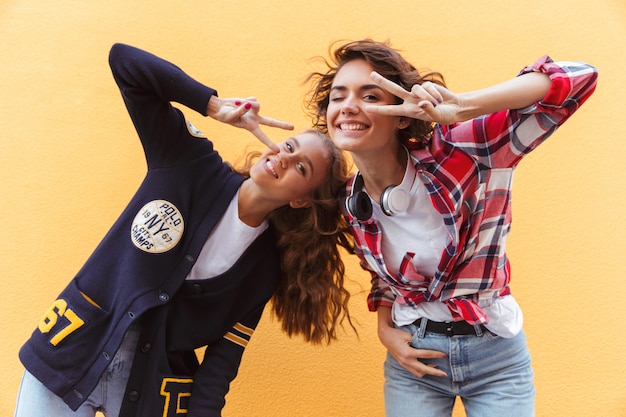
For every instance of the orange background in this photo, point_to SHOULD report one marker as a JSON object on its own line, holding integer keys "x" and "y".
{"x": 70, "y": 160}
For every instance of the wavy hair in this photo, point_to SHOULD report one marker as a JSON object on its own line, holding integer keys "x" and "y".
{"x": 387, "y": 62}
{"x": 311, "y": 299}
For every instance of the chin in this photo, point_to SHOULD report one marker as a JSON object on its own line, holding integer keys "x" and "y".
{"x": 346, "y": 143}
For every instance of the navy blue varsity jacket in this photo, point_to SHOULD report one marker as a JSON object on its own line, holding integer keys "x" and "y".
{"x": 138, "y": 270}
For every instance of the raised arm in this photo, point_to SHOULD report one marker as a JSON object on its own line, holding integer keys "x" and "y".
{"x": 150, "y": 84}
{"x": 516, "y": 93}
{"x": 434, "y": 103}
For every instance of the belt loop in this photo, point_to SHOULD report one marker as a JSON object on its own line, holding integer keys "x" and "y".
{"x": 478, "y": 329}
{"x": 422, "y": 329}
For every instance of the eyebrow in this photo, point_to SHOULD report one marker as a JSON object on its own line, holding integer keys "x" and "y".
{"x": 361, "y": 88}
{"x": 304, "y": 156}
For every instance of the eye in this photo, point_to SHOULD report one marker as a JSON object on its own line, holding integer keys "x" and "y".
{"x": 370, "y": 97}
{"x": 336, "y": 98}
{"x": 289, "y": 146}
{"x": 300, "y": 166}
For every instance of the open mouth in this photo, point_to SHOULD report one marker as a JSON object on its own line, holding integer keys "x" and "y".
{"x": 270, "y": 167}
{"x": 349, "y": 127}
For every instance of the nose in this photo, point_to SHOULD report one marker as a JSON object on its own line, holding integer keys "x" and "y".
{"x": 281, "y": 160}
{"x": 349, "y": 106}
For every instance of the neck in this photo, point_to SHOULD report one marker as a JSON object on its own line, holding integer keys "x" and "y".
{"x": 253, "y": 208}
{"x": 381, "y": 170}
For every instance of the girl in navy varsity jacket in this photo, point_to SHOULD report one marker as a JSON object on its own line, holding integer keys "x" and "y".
{"x": 191, "y": 262}
{"x": 430, "y": 211}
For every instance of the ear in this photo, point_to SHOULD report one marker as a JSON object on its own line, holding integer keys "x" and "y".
{"x": 403, "y": 123}
{"x": 301, "y": 203}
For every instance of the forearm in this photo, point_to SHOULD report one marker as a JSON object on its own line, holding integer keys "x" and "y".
{"x": 385, "y": 321}
{"x": 516, "y": 93}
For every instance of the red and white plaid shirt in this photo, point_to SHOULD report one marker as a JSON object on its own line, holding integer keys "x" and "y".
{"x": 468, "y": 170}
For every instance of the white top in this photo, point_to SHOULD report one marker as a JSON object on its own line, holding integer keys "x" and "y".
{"x": 226, "y": 243}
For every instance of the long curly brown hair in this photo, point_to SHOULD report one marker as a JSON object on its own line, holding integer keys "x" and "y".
{"x": 311, "y": 299}
{"x": 387, "y": 62}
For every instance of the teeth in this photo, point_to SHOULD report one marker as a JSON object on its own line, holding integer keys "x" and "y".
{"x": 271, "y": 167}
{"x": 352, "y": 126}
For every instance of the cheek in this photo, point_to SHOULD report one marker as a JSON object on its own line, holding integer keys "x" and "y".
{"x": 298, "y": 186}
{"x": 331, "y": 119}
{"x": 254, "y": 169}
{"x": 331, "y": 112}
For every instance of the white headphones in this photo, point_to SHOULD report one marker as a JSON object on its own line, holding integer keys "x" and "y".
{"x": 394, "y": 200}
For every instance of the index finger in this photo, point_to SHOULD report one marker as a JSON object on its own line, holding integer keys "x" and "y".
{"x": 424, "y": 353}
{"x": 387, "y": 109}
{"x": 389, "y": 85}
{"x": 267, "y": 121}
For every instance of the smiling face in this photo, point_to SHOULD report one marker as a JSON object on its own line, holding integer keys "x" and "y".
{"x": 350, "y": 127}
{"x": 290, "y": 175}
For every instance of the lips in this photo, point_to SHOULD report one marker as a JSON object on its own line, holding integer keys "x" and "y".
{"x": 270, "y": 167}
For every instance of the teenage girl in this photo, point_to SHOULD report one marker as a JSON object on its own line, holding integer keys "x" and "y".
{"x": 430, "y": 211}
{"x": 191, "y": 262}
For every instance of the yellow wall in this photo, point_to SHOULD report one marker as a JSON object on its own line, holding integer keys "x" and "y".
{"x": 70, "y": 160}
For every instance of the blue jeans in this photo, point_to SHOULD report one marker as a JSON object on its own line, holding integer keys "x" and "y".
{"x": 35, "y": 400}
{"x": 492, "y": 376}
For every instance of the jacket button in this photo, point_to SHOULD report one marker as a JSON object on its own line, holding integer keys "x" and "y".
{"x": 164, "y": 296}
{"x": 197, "y": 288}
{"x": 146, "y": 347}
{"x": 133, "y": 396}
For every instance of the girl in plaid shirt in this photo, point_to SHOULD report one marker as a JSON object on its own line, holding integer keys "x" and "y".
{"x": 430, "y": 211}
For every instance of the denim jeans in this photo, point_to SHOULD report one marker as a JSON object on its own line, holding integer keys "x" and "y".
{"x": 35, "y": 400}
{"x": 492, "y": 376}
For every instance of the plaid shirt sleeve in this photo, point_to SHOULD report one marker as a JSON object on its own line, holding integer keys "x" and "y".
{"x": 380, "y": 294}
{"x": 502, "y": 139}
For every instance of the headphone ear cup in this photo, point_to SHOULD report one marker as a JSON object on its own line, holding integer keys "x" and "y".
{"x": 394, "y": 200}
{"x": 360, "y": 206}
{"x": 384, "y": 200}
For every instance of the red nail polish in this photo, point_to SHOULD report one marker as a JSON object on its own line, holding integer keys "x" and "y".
{"x": 248, "y": 105}
{"x": 237, "y": 102}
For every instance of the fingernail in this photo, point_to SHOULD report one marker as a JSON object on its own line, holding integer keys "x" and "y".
{"x": 237, "y": 102}
{"x": 248, "y": 105}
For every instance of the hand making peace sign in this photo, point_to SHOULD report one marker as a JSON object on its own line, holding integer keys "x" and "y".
{"x": 428, "y": 101}
{"x": 244, "y": 113}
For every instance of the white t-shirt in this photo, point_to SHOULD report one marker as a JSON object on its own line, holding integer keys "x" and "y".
{"x": 421, "y": 230}
{"x": 226, "y": 243}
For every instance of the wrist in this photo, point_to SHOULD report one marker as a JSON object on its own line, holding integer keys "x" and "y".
{"x": 213, "y": 106}
{"x": 470, "y": 106}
